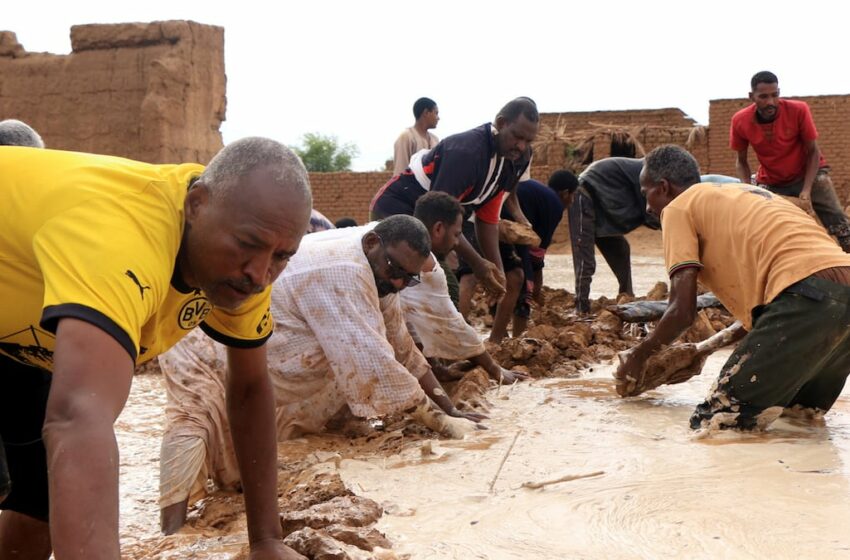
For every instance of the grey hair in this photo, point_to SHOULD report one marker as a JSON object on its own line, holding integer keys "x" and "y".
{"x": 402, "y": 227}
{"x": 673, "y": 163}
{"x": 242, "y": 157}
{"x": 17, "y": 133}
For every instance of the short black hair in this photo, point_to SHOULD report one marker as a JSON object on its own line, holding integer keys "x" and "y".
{"x": 423, "y": 104}
{"x": 673, "y": 163}
{"x": 524, "y": 106}
{"x": 563, "y": 180}
{"x": 345, "y": 222}
{"x": 401, "y": 227}
{"x": 763, "y": 77}
{"x": 435, "y": 206}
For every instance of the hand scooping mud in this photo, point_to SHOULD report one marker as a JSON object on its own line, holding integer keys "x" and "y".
{"x": 430, "y": 416}
{"x": 674, "y": 364}
{"x": 491, "y": 278}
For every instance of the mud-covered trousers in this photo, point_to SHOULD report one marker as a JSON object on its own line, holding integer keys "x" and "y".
{"x": 797, "y": 354}
{"x": 615, "y": 249}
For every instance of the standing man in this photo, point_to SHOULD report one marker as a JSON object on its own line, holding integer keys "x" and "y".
{"x": 774, "y": 269}
{"x": 607, "y": 205}
{"x": 784, "y": 138}
{"x": 543, "y": 206}
{"x": 477, "y": 167}
{"x": 417, "y": 137}
{"x": 106, "y": 263}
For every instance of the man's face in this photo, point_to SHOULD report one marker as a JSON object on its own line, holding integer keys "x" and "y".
{"x": 237, "y": 244}
{"x": 515, "y": 138}
{"x": 445, "y": 237}
{"x": 658, "y": 195}
{"x": 766, "y": 98}
{"x": 432, "y": 117}
{"x": 394, "y": 266}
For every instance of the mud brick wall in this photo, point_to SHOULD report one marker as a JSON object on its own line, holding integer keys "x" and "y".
{"x": 638, "y": 117}
{"x": 341, "y": 195}
{"x": 148, "y": 91}
{"x": 832, "y": 119}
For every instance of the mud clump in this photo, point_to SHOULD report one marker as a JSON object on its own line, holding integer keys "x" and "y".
{"x": 560, "y": 343}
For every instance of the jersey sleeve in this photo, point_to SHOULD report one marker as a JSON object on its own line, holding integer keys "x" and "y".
{"x": 489, "y": 213}
{"x": 681, "y": 243}
{"x": 104, "y": 263}
{"x": 249, "y": 326}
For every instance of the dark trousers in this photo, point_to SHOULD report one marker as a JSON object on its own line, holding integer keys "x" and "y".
{"x": 615, "y": 250}
{"x": 797, "y": 354}
{"x": 23, "y": 402}
{"x": 825, "y": 204}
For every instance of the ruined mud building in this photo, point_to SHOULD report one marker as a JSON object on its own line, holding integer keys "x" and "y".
{"x": 156, "y": 92}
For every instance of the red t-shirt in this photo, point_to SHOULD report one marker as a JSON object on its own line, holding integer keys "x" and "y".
{"x": 779, "y": 145}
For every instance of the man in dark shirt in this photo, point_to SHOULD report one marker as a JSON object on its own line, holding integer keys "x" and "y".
{"x": 543, "y": 206}
{"x": 477, "y": 167}
{"x": 607, "y": 205}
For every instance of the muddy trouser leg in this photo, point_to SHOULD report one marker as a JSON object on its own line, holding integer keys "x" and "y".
{"x": 826, "y": 205}
{"x": 582, "y": 237}
{"x": 617, "y": 254}
{"x": 798, "y": 352}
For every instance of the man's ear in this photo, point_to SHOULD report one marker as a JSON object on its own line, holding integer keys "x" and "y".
{"x": 370, "y": 241}
{"x": 752, "y": 97}
{"x": 438, "y": 229}
{"x": 500, "y": 123}
{"x": 197, "y": 197}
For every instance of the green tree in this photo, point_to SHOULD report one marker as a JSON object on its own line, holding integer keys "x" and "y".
{"x": 325, "y": 153}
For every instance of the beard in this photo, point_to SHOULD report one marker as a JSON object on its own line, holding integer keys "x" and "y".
{"x": 385, "y": 287}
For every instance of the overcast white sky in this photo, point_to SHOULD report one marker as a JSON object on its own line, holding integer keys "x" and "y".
{"x": 353, "y": 69}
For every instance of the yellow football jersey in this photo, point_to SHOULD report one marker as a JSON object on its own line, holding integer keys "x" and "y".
{"x": 96, "y": 238}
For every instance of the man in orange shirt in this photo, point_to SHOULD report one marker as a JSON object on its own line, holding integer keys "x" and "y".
{"x": 784, "y": 138}
{"x": 774, "y": 269}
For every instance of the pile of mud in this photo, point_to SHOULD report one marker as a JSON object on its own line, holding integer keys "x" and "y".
{"x": 561, "y": 343}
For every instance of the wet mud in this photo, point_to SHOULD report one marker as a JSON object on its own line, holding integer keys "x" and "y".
{"x": 566, "y": 468}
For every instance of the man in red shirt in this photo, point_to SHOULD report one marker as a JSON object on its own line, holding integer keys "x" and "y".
{"x": 784, "y": 138}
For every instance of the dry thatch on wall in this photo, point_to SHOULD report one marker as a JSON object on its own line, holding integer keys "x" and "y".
{"x": 557, "y": 146}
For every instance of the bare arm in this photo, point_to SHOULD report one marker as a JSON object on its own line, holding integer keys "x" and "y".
{"x": 91, "y": 380}
{"x": 250, "y": 410}
{"x": 680, "y": 315}
{"x": 486, "y": 271}
{"x": 812, "y": 164}
{"x": 742, "y": 166}
{"x": 437, "y": 394}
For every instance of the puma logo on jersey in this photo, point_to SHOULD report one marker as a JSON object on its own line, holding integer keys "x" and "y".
{"x": 136, "y": 281}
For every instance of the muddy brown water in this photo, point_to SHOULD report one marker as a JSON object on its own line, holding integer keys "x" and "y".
{"x": 662, "y": 493}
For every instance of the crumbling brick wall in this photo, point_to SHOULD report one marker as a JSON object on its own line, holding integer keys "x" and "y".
{"x": 832, "y": 119}
{"x": 148, "y": 91}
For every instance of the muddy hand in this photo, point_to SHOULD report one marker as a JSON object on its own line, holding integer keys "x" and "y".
{"x": 430, "y": 416}
{"x": 273, "y": 550}
{"x": 628, "y": 374}
{"x": 492, "y": 279}
{"x": 471, "y": 416}
{"x": 509, "y": 377}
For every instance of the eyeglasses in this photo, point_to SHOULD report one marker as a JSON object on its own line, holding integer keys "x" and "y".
{"x": 396, "y": 271}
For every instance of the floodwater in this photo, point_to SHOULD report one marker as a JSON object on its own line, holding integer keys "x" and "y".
{"x": 647, "y": 486}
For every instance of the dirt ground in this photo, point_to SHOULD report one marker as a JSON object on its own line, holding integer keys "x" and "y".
{"x": 566, "y": 468}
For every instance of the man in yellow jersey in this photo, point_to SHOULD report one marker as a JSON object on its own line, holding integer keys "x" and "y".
{"x": 775, "y": 270}
{"x": 105, "y": 263}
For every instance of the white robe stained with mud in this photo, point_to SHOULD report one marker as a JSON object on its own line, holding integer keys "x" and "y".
{"x": 335, "y": 343}
{"x": 434, "y": 320}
